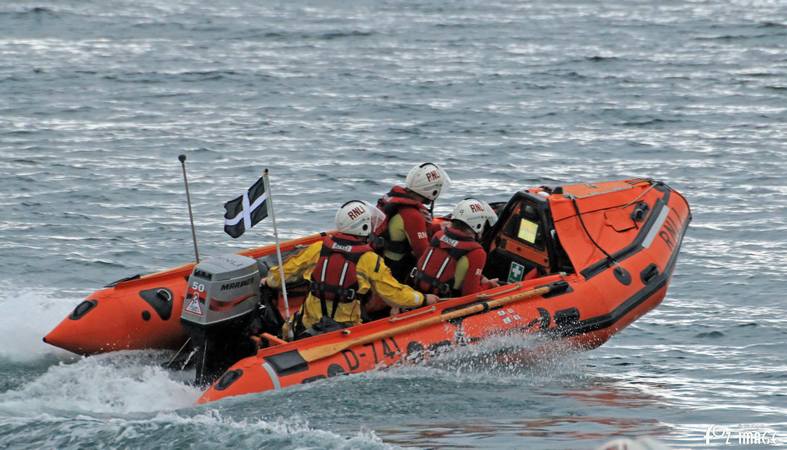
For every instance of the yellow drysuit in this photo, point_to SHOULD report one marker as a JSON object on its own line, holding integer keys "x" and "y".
{"x": 372, "y": 273}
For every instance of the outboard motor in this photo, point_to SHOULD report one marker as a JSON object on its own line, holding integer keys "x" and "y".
{"x": 219, "y": 313}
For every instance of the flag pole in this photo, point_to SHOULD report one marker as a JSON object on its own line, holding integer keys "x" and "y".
{"x": 286, "y": 330}
{"x": 182, "y": 159}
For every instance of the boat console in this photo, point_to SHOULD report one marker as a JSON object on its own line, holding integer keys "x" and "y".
{"x": 523, "y": 243}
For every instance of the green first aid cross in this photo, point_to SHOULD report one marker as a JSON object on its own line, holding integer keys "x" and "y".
{"x": 516, "y": 272}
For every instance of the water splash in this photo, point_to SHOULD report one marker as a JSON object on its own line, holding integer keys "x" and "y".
{"x": 205, "y": 429}
{"x": 36, "y": 311}
{"x": 511, "y": 356}
{"x": 114, "y": 383}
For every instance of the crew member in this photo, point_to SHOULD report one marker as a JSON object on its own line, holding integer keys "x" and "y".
{"x": 405, "y": 232}
{"x": 452, "y": 265}
{"x": 342, "y": 269}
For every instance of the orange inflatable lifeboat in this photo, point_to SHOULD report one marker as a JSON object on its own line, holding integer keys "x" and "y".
{"x": 578, "y": 262}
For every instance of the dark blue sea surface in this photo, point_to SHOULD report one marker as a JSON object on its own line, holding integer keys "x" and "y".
{"x": 339, "y": 100}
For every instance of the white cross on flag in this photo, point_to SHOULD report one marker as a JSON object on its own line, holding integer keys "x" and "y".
{"x": 245, "y": 211}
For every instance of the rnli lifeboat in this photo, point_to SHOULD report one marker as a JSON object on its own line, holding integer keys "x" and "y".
{"x": 577, "y": 263}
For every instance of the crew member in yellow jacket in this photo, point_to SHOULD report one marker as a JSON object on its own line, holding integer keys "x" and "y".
{"x": 342, "y": 269}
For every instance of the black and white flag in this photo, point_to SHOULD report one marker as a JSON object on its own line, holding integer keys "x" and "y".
{"x": 245, "y": 211}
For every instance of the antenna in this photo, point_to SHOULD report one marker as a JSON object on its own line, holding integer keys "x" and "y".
{"x": 182, "y": 159}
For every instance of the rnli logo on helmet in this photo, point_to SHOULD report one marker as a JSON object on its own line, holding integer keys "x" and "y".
{"x": 476, "y": 208}
{"x": 356, "y": 212}
{"x": 432, "y": 176}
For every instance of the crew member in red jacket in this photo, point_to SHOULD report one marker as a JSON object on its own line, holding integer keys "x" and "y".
{"x": 404, "y": 234}
{"x": 452, "y": 265}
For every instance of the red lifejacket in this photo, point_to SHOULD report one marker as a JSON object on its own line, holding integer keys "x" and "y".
{"x": 390, "y": 204}
{"x": 334, "y": 277}
{"x": 434, "y": 273}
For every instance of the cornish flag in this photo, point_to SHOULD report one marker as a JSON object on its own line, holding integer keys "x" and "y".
{"x": 245, "y": 211}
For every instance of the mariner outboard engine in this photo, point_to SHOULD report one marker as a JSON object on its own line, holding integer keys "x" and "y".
{"x": 220, "y": 313}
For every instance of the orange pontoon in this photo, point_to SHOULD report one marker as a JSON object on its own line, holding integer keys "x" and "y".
{"x": 579, "y": 262}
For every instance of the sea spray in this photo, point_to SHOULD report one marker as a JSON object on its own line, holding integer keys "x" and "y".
{"x": 30, "y": 314}
{"x": 113, "y": 383}
{"x": 184, "y": 429}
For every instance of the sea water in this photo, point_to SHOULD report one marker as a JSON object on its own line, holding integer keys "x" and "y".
{"x": 339, "y": 100}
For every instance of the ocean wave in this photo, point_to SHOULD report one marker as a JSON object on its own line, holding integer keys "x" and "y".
{"x": 114, "y": 383}
{"x": 35, "y": 12}
{"x": 36, "y": 311}
{"x": 203, "y": 429}
{"x": 289, "y": 36}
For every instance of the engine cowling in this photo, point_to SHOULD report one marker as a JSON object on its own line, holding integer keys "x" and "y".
{"x": 218, "y": 313}
{"x": 220, "y": 289}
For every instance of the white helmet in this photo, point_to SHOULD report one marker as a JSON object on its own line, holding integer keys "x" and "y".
{"x": 427, "y": 179}
{"x": 475, "y": 214}
{"x": 358, "y": 218}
